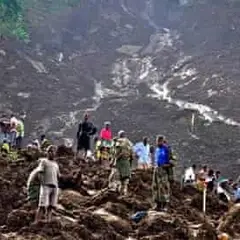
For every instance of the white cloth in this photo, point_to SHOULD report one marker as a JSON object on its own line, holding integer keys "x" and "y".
{"x": 189, "y": 175}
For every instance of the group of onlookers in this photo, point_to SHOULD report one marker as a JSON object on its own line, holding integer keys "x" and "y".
{"x": 11, "y": 133}
{"x": 160, "y": 157}
{"x": 226, "y": 189}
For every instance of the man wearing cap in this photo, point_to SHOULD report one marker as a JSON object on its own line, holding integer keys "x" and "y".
{"x": 49, "y": 174}
{"x": 86, "y": 129}
{"x": 122, "y": 160}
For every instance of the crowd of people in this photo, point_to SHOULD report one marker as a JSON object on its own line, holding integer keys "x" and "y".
{"x": 119, "y": 153}
{"x": 226, "y": 189}
{"x": 11, "y": 133}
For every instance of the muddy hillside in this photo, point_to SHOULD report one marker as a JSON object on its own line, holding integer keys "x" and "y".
{"x": 88, "y": 210}
{"x": 149, "y": 66}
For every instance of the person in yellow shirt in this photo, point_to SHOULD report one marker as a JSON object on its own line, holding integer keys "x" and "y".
{"x": 20, "y": 134}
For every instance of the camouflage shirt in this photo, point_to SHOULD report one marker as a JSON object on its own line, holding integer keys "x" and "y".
{"x": 123, "y": 148}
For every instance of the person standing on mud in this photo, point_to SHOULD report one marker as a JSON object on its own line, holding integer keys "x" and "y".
{"x": 161, "y": 184}
{"x": 49, "y": 174}
{"x": 20, "y": 133}
{"x": 123, "y": 156}
{"x": 172, "y": 162}
{"x": 86, "y": 129}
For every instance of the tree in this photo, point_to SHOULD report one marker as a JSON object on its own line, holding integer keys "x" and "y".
{"x": 11, "y": 19}
{"x": 14, "y": 14}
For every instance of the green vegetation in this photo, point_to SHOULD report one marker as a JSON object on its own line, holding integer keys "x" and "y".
{"x": 14, "y": 14}
{"x": 11, "y": 19}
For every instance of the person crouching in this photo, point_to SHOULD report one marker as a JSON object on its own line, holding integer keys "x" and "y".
{"x": 49, "y": 175}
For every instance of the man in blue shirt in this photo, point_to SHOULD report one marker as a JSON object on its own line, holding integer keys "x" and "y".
{"x": 161, "y": 184}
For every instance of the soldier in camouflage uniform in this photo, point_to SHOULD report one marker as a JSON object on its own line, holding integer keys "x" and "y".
{"x": 173, "y": 159}
{"x": 121, "y": 163}
{"x": 161, "y": 184}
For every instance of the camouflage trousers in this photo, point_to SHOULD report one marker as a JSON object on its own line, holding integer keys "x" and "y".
{"x": 161, "y": 185}
{"x": 116, "y": 183}
{"x": 170, "y": 172}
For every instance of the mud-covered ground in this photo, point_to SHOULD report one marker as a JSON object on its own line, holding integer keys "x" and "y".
{"x": 145, "y": 65}
{"x": 88, "y": 210}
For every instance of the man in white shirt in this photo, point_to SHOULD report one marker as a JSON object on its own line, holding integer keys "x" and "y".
{"x": 190, "y": 174}
{"x": 49, "y": 175}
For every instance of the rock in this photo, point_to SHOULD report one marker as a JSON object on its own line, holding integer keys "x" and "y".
{"x": 71, "y": 199}
{"x": 18, "y": 219}
{"x": 105, "y": 214}
{"x": 229, "y": 222}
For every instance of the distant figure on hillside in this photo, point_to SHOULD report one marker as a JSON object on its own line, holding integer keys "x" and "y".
{"x": 20, "y": 134}
{"x": 49, "y": 176}
{"x": 210, "y": 180}
{"x": 13, "y": 130}
{"x": 190, "y": 174}
{"x": 106, "y": 144}
{"x": 161, "y": 185}
{"x": 44, "y": 142}
{"x": 86, "y": 129}
{"x": 142, "y": 151}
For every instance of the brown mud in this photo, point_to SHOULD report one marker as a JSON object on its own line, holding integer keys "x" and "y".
{"x": 88, "y": 210}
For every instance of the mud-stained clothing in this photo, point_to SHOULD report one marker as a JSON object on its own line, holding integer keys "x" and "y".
{"x": 160, "y": 185}
{"x": 124, "y": 168}
{"x": 123, "y": 155}
{"x": 85, "y": 131}
{"x": 172, "y": 161}
{"x": 49, "y": 188}
{"x": 121, "y": 171}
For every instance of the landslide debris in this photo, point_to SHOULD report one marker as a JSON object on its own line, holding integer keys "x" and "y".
{"x": 88, "y": 210}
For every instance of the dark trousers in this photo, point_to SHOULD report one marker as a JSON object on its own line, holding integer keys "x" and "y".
{"x": 19, "y": 142}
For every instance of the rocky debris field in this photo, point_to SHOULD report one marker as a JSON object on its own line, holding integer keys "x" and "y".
{"x": 88, "y": 210}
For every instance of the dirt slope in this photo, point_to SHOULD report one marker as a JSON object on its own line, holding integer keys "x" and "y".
{"x": 89, "y": 211}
